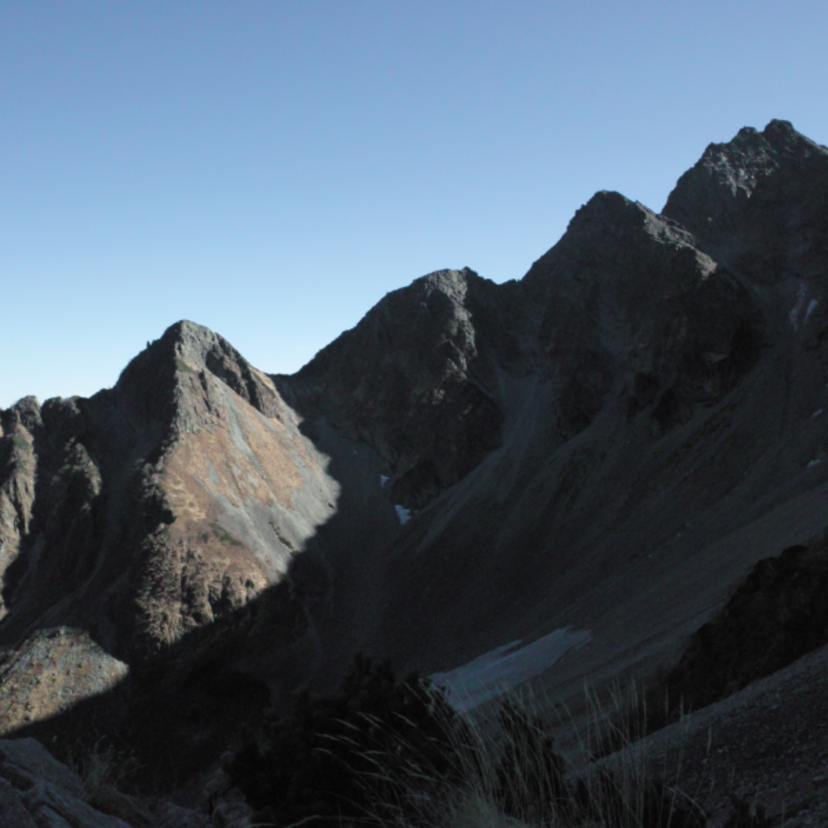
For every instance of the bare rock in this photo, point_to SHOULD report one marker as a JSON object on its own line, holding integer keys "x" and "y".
{"x": 51, "y": 671}
{"x": 414, "y": 380}
{"x": 13, "y": 813}
{"x": 634, "y": 307}
{"x": 168, "y": 815}
{"x": 759, "y": 203}
{"x": 26, "y": 762}
{"x": 46, "y": 802}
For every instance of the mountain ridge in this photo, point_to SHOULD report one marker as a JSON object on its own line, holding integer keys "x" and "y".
{"x": 607, "y": 444}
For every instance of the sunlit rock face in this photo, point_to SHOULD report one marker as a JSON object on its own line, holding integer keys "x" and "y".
{"x": 50, "y": 672}
{"x": 158, "y": 506}
{"x": 607, "y": 444}
{"x": 242, "y": 489}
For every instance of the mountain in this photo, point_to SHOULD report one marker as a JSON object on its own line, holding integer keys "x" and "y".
{"x": 607, "y": 445}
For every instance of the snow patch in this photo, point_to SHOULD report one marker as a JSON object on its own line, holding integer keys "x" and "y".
{"x": 403, "y": 514}
{"x": 383, "y": 480}
{"x": 816, "y": 413}
{"x": 796, "y": 314}
{"x": 800, "y": 299}
{"x": 811, "y": 305}
{"x": 814, "y": 462}
{"x": 505, "y": 667}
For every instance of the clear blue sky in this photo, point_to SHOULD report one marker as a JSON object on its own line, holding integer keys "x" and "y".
{"x": 272, "y": 169}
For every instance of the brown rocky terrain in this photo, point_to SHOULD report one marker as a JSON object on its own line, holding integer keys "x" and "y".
{"x": 608, "y": 444}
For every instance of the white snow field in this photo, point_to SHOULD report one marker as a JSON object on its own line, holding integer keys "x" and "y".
{"x": 506, "y": 667}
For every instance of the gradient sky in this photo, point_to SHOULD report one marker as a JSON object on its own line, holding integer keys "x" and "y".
{"x": 272, "y": 169}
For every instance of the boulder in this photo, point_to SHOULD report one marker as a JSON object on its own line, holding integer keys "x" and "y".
{"x": 13, "y": 813}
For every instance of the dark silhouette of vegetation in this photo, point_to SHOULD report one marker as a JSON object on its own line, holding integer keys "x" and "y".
{"x": 394, "y": 752}
{"x": 338, "y": 757}
{"x": 381, "y": 751}
{"x": 530, "y": 775}
{"x": 533, "y": 785}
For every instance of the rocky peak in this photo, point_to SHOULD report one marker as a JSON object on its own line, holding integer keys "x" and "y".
{"x": 151, "y": 385}
{"x": 607, "y": 230}
{"x": 627, "y": 293}
{"x": 710, "y": 199}
{"x": 146, "y": 512}
{"x": 412, "y": 381}
{"x": 25, "y": 412}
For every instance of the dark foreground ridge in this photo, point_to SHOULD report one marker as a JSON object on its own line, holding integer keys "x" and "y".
{"x": 607, "y": 445}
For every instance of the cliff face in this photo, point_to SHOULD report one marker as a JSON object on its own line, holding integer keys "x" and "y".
{"x": 416, "y": 379}
{"x": 633, "y": 307}
{"x": 760, "y": 203}
{"x": 152, "y": 509}
{"x": 607, "y": 444}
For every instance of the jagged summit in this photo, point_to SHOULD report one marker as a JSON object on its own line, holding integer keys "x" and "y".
{"x": 187, "y": 349}
{"x": 715, "y": 198}
{"x": 414, "y": 381}
{"x": 602, "y": 230}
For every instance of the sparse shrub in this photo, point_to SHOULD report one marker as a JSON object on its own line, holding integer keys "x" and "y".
{"x": 182, "y": 366}
{"x": 223, "y": 535}
{"x": 393, "y": 753}
{"x": 638, "y": 710}
{"x": 106, "y": 772}
{"x": 343, "y": 756}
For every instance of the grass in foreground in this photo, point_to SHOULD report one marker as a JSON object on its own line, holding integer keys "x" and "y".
{"x": 387, "y": 753}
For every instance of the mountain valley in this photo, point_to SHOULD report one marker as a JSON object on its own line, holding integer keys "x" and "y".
{"x": 598, "y": 453}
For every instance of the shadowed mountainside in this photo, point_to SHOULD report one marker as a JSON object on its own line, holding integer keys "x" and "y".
{"x": 608, "y": 444}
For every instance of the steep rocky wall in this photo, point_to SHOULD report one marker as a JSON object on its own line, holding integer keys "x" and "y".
{"x": 17, "y": 467}
{"x": 151, "y": 509}
{"x": 633, "y": 308}
{"x": 778, "y": 614}
{"x": 759, "y": 203}
{"x": 416, "y": 379}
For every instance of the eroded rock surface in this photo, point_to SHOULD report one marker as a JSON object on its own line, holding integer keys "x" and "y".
{"x": 760, "y": 203}
{"x": 50, "y": 672}
{"x": 158, "y": 506}
{"x": 416, "y": 379}
{"x": 38, "y": 791}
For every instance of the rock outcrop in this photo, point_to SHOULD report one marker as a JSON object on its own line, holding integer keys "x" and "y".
{"x": 776, "y": 615}
{"x": 759, "y": 203}
{"x": 174, "y": 498}
{"x": 633, "y": 307}
{"x": 416, "y": 379}
{"x": 38, "y": 791}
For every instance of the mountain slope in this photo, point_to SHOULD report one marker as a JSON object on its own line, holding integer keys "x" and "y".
{"x": 607, "y": 444}
{"x": 151, "y": 510}
{"x": 680, "y": 440}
